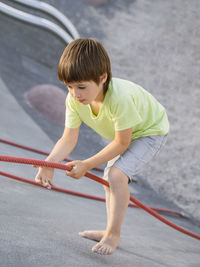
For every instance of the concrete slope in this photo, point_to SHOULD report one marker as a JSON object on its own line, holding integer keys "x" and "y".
{"x": 39, "y": 227}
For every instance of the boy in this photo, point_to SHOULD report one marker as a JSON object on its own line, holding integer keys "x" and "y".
{"x": 119, "y": 110}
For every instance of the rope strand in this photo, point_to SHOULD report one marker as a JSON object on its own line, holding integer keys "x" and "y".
{"x": 99, "y": 180}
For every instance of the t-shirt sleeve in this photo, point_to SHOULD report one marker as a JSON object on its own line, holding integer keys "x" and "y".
{"x": 125, "y": 114}
{"x": 72, "y": 119}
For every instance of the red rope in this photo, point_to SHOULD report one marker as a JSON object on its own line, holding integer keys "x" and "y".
{"x": 36, "y": 150}
{"x": 99, "y": 180}
{"x": 99, "y": 169}
{"x": 52, "y": 187}
{"x": 79, "y": 194}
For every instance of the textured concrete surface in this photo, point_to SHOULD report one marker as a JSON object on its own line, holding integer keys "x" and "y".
{"x": 39, "y": 227}
{"x": 153, "y": 43}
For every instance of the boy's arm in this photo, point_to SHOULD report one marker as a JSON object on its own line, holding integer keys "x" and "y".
{"x": 64, "y": 145}
{"x": 116, "y": 147}
{"x": 62, "y": 148}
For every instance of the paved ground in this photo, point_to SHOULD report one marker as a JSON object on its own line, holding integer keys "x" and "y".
{"x": 153, "y": 43}
{"x": 39, "y": 227}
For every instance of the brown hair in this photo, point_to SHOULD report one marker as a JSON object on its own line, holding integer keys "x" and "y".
{"x": 84, "y": 59}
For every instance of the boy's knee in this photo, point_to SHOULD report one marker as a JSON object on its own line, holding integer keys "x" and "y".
{"x": 116, "y": 176}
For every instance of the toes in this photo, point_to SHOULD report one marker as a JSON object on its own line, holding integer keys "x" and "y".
{"x": 81, "y": 233}
{"x": 110, "y": 251}
{"x": 84, "y": 234}
{"x": 96, "y": 247}
{"x": 102, "y": 249}
{"x": 106, "y": 250}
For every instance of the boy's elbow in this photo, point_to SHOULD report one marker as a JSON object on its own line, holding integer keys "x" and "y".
{"x": 126, "y": 145}
{"x": 123, "y": 144}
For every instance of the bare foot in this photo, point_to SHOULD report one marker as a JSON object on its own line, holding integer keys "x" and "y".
{"x": 94, "y": 235}
{"x": 107, "y": 245}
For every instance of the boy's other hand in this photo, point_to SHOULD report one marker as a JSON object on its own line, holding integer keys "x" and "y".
{"x": 45, "y": 176}
{"x": 78, "y": 170}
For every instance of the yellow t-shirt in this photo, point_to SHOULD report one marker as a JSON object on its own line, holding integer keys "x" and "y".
{"x": 125, "y": 105}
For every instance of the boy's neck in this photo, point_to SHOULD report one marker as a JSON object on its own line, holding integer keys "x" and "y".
{"x": 96, "y": 105}
{"x": 95, "y": 108}
{"x": 99, "y": 99}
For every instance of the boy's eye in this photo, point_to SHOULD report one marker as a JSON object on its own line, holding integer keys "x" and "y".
{"x": 81, "y": 87}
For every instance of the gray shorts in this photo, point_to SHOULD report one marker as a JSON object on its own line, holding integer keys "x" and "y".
{"x": 139, "y": 153}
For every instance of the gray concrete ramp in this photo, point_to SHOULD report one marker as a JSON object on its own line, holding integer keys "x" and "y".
{"x": 39, "y": 227}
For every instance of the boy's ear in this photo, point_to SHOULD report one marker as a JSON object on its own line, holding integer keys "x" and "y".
{"x": 103, "y": 77}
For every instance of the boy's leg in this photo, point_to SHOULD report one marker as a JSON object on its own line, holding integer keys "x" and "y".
{"x": 140, "y": 152}
{"x": 119, "y": 199}
{"x": 97, "y": 235}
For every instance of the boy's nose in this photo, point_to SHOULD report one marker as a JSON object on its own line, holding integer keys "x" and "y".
{"x": 77, "y": 94}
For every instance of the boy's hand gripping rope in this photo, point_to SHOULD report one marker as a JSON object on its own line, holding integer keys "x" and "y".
{"x": 99, "y": 180}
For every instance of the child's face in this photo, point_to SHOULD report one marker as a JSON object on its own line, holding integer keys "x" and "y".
{"x": 87, "y": 92}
